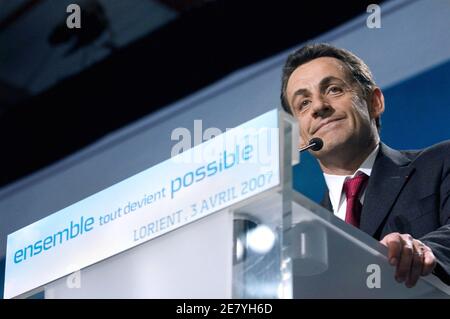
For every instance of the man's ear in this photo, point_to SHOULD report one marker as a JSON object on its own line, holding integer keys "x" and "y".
{"x": 377, "y": 103}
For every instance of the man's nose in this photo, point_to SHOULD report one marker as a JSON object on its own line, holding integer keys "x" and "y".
{"x": 321, "y": 108}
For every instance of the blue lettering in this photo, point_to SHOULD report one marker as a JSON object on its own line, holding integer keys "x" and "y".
{"x": 89, "y": 224}
{"x": 175, "y": 189}
{"x": 25, "y": 251}
{"x": 225, "y": 160}
{"x": 72, "y": 226}
{"x": 212, "y": 167}
{"x": 200, "y": 172}
{"x": 191, "y": 180}
{"x": 246, "y": 152}
{"x": 38, "y": 247}
{"x": 157, "y": 225}
{"x": 60, "y": 233}
{"x": 17, "y": 256}
{"x": 48, "y": 241}
{"x": 59, "y": 237}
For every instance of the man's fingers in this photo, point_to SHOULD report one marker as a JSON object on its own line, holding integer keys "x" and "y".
{"x": 429, "y": 262}
{"x": 406, "y": 259}
{"x": 416, "y": 266}
{"x": 394, "y": 244}
{"x": 411, "y": 257}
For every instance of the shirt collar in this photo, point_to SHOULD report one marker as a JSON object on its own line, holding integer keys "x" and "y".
{"x": 336, "y": 182}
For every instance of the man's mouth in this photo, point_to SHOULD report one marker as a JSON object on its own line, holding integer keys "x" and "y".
{"x": 325, "y": 123}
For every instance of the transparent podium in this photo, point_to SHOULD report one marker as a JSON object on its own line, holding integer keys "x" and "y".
{"x": 275, "y": 244}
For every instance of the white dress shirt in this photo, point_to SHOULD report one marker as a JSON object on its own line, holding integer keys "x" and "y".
{"x": 335, "y": 185}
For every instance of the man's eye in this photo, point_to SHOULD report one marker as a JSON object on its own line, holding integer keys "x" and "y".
{"x": 335, "y": 89}
{"x": 304, "y": 104}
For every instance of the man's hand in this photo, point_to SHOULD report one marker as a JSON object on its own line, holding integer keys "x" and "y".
{"x": 411, "y": 257}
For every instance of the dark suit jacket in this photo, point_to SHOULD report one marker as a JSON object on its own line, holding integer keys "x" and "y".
{"x": 409, "y": 192}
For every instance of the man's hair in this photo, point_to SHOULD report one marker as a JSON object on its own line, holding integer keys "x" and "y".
{"x": 357, "y": 70}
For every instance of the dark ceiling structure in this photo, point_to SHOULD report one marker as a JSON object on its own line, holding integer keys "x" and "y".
{"x": 77, "y": 85}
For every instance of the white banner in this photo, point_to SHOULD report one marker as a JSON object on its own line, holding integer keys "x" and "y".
{"x": 231, "y": 167}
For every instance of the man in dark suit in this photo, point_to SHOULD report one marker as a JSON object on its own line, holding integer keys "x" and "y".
{"x": 399, "y": 197}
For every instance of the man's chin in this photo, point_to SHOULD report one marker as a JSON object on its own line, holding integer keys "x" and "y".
{"x": 330, "y": 146}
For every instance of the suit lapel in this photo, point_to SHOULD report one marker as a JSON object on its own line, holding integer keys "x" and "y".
{"x": 326, "y": 202}
{"x": 389, "y": 174}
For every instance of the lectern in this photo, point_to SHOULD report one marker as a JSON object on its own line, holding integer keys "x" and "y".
{"x": 218, "y": 221}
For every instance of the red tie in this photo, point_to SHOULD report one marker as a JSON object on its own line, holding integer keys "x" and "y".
{"x": 352, "y": 188}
